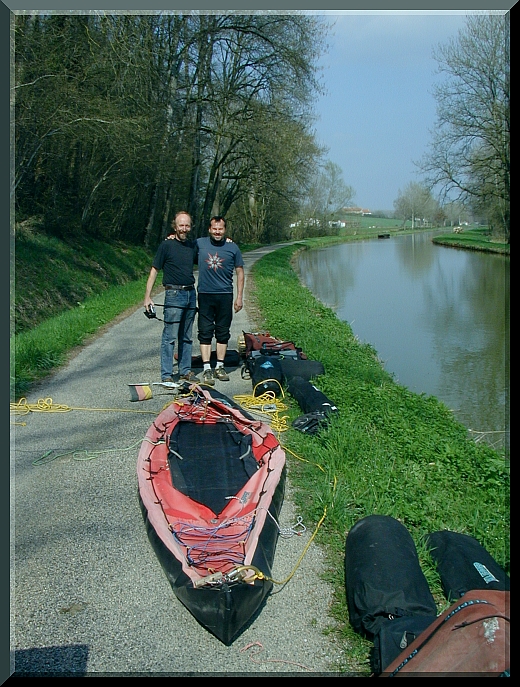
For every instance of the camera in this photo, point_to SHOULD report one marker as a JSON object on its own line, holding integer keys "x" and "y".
{"x": 150, "y": 312}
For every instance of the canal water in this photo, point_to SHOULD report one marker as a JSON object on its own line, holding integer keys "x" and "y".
{"x": 438, "y": 318}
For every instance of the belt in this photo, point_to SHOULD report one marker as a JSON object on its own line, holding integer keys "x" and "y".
{"x": 178, "y": 287}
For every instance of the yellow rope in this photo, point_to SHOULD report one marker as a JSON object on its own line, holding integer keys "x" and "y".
{"x": 47, "y": 405}
{"x": 259, "y": 575}
{"x": 304, "y": 460}
{"x": 266, "y": 405}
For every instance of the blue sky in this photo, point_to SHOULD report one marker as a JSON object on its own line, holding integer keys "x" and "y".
{"x": 379, "y": 110}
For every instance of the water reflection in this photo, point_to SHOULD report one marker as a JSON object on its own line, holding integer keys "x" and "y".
{"x": 438, "y": 317}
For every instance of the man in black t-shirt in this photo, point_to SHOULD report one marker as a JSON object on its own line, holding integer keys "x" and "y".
{"x": 176, "y": 257}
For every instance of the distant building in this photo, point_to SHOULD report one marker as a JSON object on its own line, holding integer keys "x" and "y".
{"x": 356, "y": 211}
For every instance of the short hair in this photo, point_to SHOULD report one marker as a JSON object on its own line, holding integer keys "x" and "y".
{"x": 218, "y": 218}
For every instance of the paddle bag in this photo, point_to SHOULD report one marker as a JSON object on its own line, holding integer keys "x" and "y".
{"x": 464, "y": 564}
{"x": 231, "y": 359}
{"x": 388, "y": 597}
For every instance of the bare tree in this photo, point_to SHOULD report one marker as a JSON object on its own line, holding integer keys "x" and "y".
{"x": 414, "y": 204}
{"x": 469, "y": 157}
{"x": 326, "y": 194}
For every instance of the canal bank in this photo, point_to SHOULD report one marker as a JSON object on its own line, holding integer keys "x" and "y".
{"x": 390, "y": 451}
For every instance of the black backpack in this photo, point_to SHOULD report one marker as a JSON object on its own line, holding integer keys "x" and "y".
{"x": 266, "y": 374}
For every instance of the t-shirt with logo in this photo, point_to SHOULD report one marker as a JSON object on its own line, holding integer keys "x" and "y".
{"x": 217, "y": 263}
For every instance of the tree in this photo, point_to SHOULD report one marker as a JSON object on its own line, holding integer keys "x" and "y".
{"x": 120, "y": 120}
{"x": 469, "y": 156}
{"x": 326, "y": 194}
{"x": 415, "y": 204}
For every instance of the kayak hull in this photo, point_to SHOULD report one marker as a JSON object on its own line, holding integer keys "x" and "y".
{"x": 218, "y": 562}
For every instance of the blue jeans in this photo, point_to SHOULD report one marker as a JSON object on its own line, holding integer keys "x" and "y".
{"x": 179, "y": 313}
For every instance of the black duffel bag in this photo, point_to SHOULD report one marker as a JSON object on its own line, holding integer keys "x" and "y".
{"x": 266, "y": 374}
{"x": 388, "y": 597}
{"x": 464, "y": 564}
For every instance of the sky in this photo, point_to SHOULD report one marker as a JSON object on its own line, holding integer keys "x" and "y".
{"x": 377, "y": 116}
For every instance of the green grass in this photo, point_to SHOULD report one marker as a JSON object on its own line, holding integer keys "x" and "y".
{"x": 389, "y": 451}
{"x": 35, "y": 353}
{"x": 52, "y": 276}
{"x": 473, "y": 239}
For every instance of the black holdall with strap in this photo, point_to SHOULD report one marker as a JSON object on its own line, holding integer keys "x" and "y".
{"x": 266, "y": 375}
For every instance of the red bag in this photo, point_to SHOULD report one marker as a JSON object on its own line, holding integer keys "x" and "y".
{"x": 267, "y": 344}
{"x": 471, "y": 637}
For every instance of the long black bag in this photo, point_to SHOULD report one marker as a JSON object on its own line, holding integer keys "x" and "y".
{"x": 388, "y": 597}
{"x": 309, "y": 397}
{"x": 291, "y": 362}
{"x": 464, "y": 564}
{"x": 317, "y": 407}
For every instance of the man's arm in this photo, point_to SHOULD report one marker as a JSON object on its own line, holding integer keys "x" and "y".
{"x": 238, "y": 305}
{"x": 149, "y": 286}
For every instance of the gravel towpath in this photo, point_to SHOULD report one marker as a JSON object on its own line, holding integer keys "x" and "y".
{"x": 89, "y": 597}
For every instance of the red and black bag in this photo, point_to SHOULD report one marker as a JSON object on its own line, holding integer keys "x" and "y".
{"x": 267, "y": 344}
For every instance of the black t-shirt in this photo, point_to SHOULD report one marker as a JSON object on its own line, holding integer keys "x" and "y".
{"x": 176, "y": 259}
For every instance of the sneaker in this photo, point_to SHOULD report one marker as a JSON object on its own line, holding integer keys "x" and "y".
{"x": 189, "y": 377}
{"x": 220, "y": 374}
{"x": 167, "y": 379}
{"x": 208, "y": 378}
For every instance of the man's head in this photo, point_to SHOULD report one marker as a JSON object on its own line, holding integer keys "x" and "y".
{"x": 181, "y": 225}
{"x": 217, "y": 228}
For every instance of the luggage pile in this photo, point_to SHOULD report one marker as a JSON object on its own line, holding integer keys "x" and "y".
{"x": 389, "y": 602}
{"x": 271, "y": 363}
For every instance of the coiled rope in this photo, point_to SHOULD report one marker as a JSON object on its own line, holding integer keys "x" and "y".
{"x": 266, "y": 405}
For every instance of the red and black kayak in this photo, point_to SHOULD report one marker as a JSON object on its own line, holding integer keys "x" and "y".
{"x": 211, "y": 486}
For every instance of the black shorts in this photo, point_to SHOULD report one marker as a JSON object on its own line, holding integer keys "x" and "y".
{"x": 214, "y": 318}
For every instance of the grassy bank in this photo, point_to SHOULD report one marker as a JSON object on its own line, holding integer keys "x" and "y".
{"x": 389, "y": 451}
{"x": 473, "y": 239}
